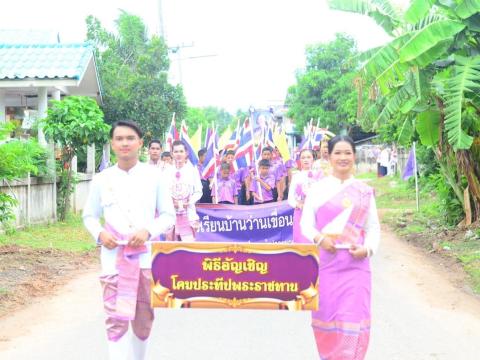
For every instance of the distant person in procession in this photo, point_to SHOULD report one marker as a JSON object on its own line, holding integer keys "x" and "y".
{"x": 224, "y": 190}
{"x": 186, "y": 190}
{"x": 136, "y": 206}
{"x": 166, "y": 159}
{"x": 340, "y": 215}
{"x": 302, "y": 181}
{"x": 267, "y": 155}
{"x": 154, "y": 153}
{"x": 262, "y": 185}
{"x": 206, "y": 193}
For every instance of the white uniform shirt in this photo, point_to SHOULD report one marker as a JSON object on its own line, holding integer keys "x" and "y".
{"x": 298, "y": 179}
{"x": 128, "y": 201}
{"x": 323, "y": 191}
{"x": 188, "y": 175}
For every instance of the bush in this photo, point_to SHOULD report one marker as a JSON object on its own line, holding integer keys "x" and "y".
{"x": 17, "y": 159}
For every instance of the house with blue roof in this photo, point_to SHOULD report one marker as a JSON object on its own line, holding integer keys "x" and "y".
{"x": 34, "y": 68}
{"x": 31, "y": 74}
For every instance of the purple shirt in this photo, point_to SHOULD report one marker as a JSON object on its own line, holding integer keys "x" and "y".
{"x": 267, "y": 194}
{"x": 280, "y": 169}
{"x": 227, "y": 190}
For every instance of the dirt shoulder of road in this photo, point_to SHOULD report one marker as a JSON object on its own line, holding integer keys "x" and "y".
{"x": 27, "y": 273}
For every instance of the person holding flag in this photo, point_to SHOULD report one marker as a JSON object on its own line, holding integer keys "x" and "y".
{"x": 263, "y": 184}
{"x": 224, "y": 190}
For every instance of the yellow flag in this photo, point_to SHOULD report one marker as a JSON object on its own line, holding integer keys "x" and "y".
{"x": 280, "y": 140}
{"x": 224, "y": 138}
{"x": 196, "y": 139}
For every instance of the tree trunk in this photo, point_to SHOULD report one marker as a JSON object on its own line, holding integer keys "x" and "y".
{"x": 466, "y": 167}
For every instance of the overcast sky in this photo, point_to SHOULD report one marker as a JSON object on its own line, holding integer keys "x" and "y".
{"x": 257, "y": 44}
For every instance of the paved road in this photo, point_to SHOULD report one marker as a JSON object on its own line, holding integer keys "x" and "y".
{"x": 417, "y": 314}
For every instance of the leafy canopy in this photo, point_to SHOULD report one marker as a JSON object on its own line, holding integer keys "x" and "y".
{"x": 133, "y": 73}
{"x": 325, "y": 89}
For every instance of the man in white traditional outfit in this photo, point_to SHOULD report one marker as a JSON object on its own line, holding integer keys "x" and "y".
{"x": 185, "y": 190}
{"x": 136, "y": 206}
{"x": 154, "y": 153}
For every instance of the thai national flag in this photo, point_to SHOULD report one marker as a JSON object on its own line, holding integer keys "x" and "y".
{"x": 305, "y": 144}
{"x": 318, "y": 137}
{"x": 172, "y": 134}
{"x": 208, "y": 134}
{"x": 258, "y": 150}
{"x": 211, "y": 158}
{"x": 269, "y": 137}
{"x": 234, "y": 140}
{"x": 188, "y": 143}
{"x": 244, "y": 153}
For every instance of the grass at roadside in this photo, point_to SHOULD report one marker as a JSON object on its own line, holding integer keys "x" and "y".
{"x": 396, "y": 200}
{"x": 66, "y": 236}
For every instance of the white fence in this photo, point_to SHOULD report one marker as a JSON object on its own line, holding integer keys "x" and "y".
{"x": 37, "y": 198}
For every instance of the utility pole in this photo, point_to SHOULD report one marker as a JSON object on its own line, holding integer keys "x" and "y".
{"x": 161, "y": 29}
{"x": 176, "y": 50}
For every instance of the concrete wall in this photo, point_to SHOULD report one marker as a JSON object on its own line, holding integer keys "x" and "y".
{"x": 36, "y": 203}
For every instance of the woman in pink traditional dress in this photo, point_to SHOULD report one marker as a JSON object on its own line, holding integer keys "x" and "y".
{"x": 340, "y": 216}
{"x": 301, "y": 183}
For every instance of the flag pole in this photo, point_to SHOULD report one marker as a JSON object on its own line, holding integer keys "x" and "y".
{"x": 259, "y": 186}
{"x": 417, "y": 195}
{"x": 215, "y": 171}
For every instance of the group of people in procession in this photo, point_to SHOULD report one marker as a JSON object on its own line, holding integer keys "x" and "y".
{"x": 146, "y": 201}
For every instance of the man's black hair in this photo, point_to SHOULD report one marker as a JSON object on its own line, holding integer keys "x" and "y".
{"x": 202, "y": 152}
{"x": 127, "y": 123}
{"x": 264, "y": 162}
{"x": 155, "y": 141}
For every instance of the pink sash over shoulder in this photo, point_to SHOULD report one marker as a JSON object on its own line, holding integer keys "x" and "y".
{"x": 311, "y": 177}
{"x": 342, "y": 323}
{"x": 128, "y": 266}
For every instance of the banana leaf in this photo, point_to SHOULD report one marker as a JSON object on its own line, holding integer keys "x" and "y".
{"x": 428, "y": 37}
{"x": 467, "y": 8}
{"x": 466, "y": 79}
{"x": 427, "y": 127}
{"x": 418, "y": 10}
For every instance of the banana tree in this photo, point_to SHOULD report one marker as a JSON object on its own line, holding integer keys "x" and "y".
{"x": 426, "y": 79}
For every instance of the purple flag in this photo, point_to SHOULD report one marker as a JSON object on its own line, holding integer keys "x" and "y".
{"x": 410, "y": 166}
{"x": 105, "y": 163}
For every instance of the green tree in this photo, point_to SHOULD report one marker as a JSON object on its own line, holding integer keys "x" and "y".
{"x": 425, "y": 81}
{"x": 325, "y": 88}
{"x": 72, "y": 123}
{"x": 133, "y": 73}
{"x": 17, "y": 159}
{"x": 206, "y": 117}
